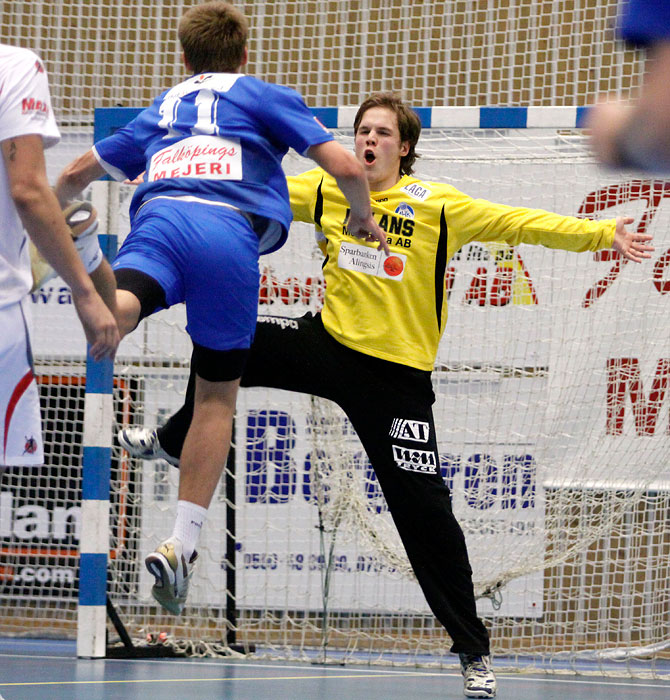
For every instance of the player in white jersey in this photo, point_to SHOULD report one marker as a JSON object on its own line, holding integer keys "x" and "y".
{"x": 212, "y": 199}
{"x": 27, "y": 126}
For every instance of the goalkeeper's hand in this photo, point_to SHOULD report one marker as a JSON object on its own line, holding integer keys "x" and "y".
{"x": 631, "y": 244}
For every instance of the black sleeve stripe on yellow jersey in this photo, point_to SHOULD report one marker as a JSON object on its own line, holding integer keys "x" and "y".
{"x": 440, "y": 268}
{"x": 318, "y": 206}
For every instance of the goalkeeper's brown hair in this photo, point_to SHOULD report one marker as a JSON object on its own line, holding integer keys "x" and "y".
{"x": 213, "y": 36}
{"x": 409, "y": 124}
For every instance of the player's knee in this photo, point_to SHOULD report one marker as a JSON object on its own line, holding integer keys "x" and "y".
{"x": 149, "y": 296}
{"x": 218, "y": 365}
{"x": 127, "y": 311}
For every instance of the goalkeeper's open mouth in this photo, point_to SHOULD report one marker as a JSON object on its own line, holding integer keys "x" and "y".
{"x": 369, "y": 156}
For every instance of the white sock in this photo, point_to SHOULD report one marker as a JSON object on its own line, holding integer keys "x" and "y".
{"x": 187, "y": 526}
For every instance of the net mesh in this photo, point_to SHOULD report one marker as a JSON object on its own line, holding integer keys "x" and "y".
{"x": 512, "y": 53}
{"x": 551, "y": 381}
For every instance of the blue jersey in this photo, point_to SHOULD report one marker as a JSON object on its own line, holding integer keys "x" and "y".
{"x": 645, "y": 22}
{"x": 219, "y": 137}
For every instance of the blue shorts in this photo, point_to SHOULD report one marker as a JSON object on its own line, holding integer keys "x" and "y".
{"x": 204, "y": 255}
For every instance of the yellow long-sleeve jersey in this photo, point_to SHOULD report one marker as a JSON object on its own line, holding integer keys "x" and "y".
{"x": 395, "y": 308}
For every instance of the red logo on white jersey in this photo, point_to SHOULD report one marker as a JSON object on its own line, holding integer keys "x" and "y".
{"x": 30, "y": 446}
{"x": 30, "y": 104}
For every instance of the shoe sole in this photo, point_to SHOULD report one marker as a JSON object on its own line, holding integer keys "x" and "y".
{"x": 478, "y": 694}
{"x": 162, "y": 590}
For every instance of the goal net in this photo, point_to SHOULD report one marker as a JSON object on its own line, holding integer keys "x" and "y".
{"x": 552, "y": 381}
{"x": 336, "y": 52}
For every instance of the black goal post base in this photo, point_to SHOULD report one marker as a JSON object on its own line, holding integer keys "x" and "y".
{"x": 156, "y": 647}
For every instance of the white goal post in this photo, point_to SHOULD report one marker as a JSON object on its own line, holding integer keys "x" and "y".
{"x": 552, "y": 381}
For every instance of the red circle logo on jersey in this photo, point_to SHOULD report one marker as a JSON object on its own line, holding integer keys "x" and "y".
{"x": 393, "y": 266}
{"x": 30, "y": 446}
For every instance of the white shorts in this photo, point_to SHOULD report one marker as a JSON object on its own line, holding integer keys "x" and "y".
{"x": 20, "y": 424}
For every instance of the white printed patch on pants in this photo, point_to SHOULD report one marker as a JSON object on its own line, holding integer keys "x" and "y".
{"x": 414, "y": 430}
{"x": 422, "y": 461}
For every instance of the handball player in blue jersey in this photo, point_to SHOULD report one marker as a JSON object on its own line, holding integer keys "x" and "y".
{"x": 213, "y": 198}
{"x": 637, "y": 134}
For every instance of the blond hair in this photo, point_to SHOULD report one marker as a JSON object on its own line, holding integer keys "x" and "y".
{"x": 213, "y": 36}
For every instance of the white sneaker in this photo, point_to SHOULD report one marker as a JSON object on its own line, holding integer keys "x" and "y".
{"x": 479, "y": 681}
{"x": 172, "y": 573}
{"x": 143, "y": 443}
{"x": 82, "y": 219}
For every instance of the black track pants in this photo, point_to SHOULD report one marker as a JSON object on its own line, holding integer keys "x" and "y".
{"x": 390, "y": 407}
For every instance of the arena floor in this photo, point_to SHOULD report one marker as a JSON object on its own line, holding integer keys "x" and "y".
{"x": 35, "y": 670}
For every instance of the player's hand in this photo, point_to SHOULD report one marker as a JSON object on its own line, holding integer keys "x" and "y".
{"x": 99, "y": 324}
{"x": 632, "y": 245}
{"x": 368, "y": 230}
{"x": 137, "y": 181}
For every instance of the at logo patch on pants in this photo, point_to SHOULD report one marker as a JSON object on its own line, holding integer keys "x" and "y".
{"x": 404, "y": 429}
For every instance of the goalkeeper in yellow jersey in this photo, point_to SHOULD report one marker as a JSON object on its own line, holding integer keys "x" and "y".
{"x": 381, "y": 322}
